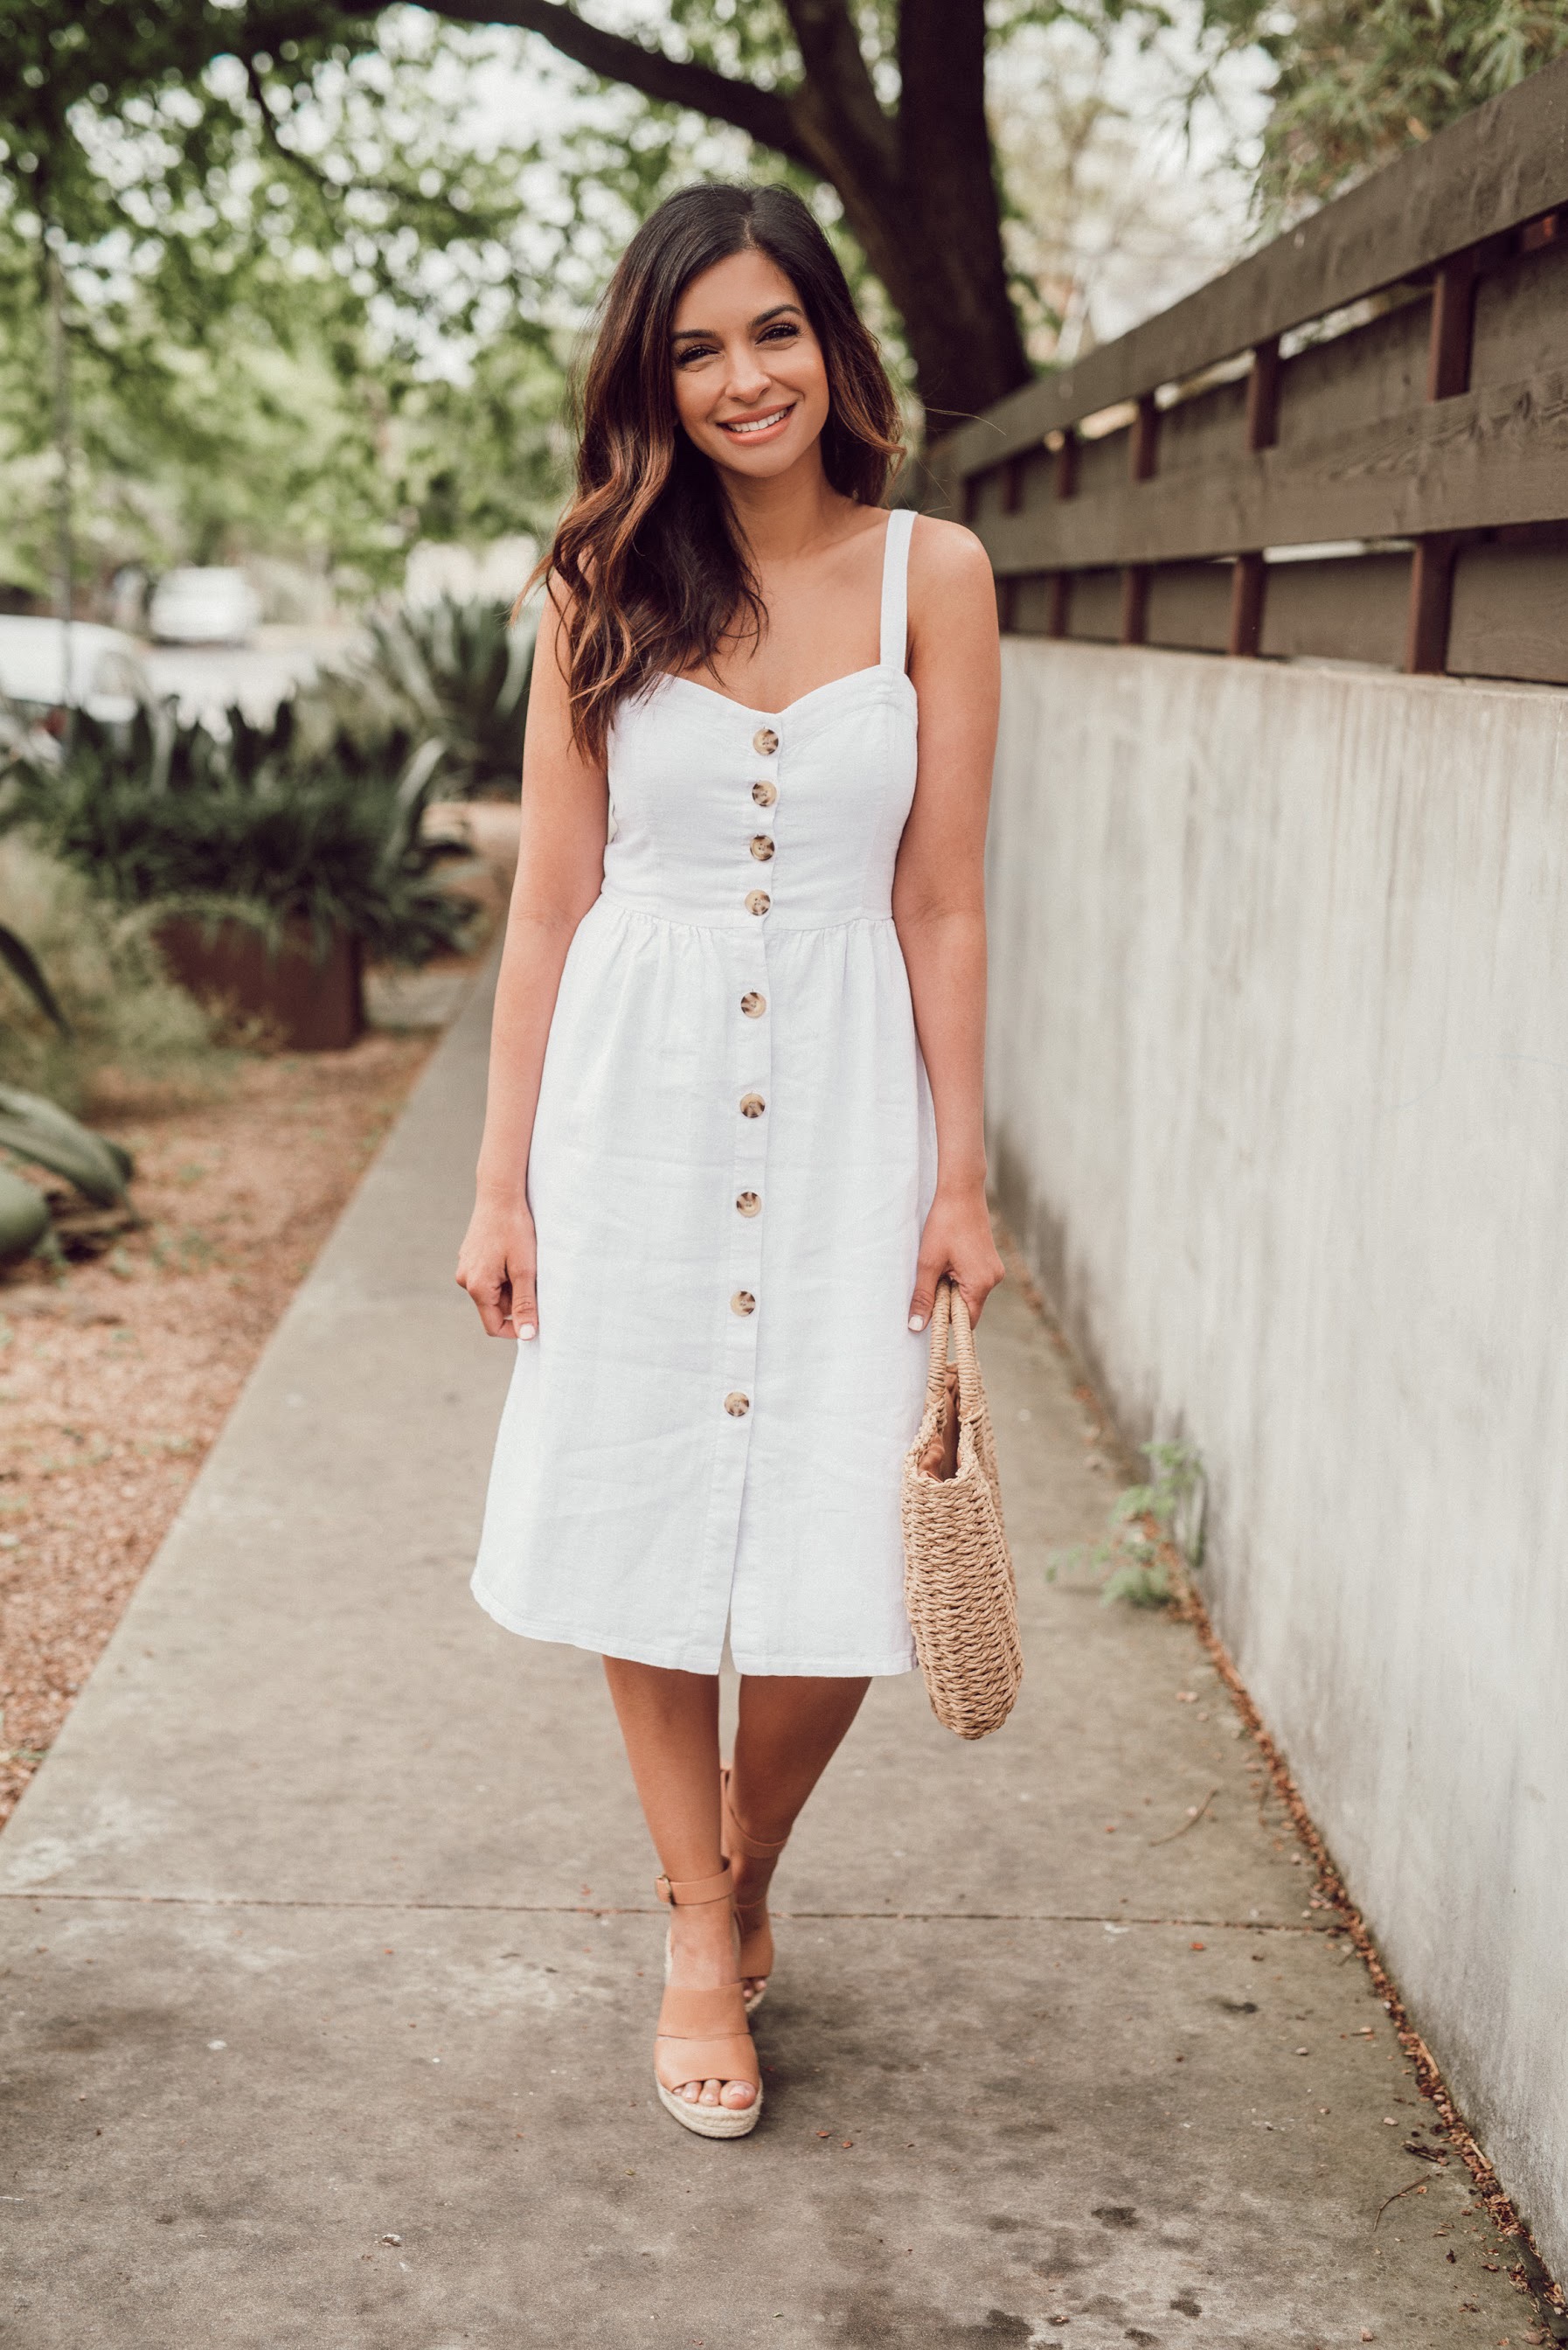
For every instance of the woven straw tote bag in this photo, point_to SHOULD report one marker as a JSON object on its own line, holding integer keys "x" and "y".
{"x": 959, "y": 1584}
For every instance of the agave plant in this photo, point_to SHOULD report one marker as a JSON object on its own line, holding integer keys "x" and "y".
{"x": 173, "y": 816}
{"x": 24, "y": 964}
{"x": 40, "y": 1132}
{"x": 463, "y": 670}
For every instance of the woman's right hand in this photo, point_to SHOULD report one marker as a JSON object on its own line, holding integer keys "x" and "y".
{"x": 497, "y": 1265}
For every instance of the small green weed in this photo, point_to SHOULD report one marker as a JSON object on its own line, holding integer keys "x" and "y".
{"x": 1156, "y": 1529}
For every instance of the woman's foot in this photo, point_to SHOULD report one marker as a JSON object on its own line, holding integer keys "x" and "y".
{"x": 753, "y": 1860}
{"x": 753, "y": 1878}
{"x": 704, "y": 1944}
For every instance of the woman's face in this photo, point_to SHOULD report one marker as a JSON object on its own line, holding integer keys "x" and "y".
{"x": 750, "y": 383}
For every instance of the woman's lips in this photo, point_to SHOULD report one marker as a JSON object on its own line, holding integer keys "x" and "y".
{"x": 760, "y": 428}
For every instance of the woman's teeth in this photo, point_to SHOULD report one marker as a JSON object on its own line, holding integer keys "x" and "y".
{"x": 758, "y": 423}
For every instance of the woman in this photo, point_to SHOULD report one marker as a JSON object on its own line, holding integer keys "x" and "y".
{"x": 733, "y": 1135}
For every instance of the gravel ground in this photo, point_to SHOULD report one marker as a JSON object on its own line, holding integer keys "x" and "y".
{"x": 116, "y": 1377}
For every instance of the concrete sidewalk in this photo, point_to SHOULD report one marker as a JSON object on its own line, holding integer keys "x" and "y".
{"x": 332, "y": 1957}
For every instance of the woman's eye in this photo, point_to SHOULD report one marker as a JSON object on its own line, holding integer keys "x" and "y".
{"x": 690, "y": 351}
{"x": 783, "y": 332}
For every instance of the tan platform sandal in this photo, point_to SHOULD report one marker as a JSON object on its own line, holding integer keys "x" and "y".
{"x": 756, "y": 1930}
{"x": 703, "y": 2035}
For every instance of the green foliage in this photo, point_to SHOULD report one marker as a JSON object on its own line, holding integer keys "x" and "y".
{"x": 23, "y": 1216}
{"x": 121, "y": 1012}
{"x": 37, "y": 1129}
{"x": 26, "y": 969}
{"x": 1356, "y": 83}
{"x": 1151, "y": 1526}
{"x": 294, "y": 291}
{"x": 41, "y": 1134}
{"x": 165, "y": 815}
{"x": 462, "y": 673}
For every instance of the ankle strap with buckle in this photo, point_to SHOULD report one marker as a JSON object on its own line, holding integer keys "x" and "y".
{"x": 692, "y": 1892}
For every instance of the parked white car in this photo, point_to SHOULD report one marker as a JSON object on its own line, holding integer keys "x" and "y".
{"x": 47, "y": 670}
{"x": 203, "y": 604}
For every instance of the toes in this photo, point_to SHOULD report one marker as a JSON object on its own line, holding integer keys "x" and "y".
{"x": 736, "y": 2094}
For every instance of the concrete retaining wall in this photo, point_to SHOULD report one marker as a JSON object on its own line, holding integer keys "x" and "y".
{"x": 1279, "y": 1103}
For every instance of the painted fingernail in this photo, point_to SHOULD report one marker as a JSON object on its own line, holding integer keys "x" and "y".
{"x": 916, "y": 1321}
{"x": 526, "y": 1330}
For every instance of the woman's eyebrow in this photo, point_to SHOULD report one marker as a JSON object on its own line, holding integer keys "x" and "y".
{"x": 707, "y": 334}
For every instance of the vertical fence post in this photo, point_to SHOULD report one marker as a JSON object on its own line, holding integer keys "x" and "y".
{"x": 1143, "y": 457}
{"x": 1012, "y": 503}
{"x": 1249, "y": 571}
{"x": 1063, "y": 484}
{"x": 1135, "y": 603}
{"x": 1453, "y": 325}
{"x": 1448, "y": 375}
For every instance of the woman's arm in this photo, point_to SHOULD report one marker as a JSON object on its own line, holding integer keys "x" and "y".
{"x": 560, "y": 863}
{"x": 938, "y": 892}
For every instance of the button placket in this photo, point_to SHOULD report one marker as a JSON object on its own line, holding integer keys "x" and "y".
{"x": 750, "y": 1067}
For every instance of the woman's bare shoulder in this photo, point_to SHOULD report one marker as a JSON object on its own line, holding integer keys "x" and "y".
{"x": 945, "y": 558}
{"x": 949, "y": 576}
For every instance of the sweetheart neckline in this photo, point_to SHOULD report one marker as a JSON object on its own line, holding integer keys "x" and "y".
{"x": 750, "y": 710}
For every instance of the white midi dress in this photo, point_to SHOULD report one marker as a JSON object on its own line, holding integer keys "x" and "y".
{"x": 733, "y": 1158}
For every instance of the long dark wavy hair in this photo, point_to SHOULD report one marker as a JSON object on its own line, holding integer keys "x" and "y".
{"x": 652, "y": 572}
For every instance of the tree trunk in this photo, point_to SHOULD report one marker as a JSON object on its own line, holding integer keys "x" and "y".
{"x": 919, "y": 189}
{"x": 963, "y": 330}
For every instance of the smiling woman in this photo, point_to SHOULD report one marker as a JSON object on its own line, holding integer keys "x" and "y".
{"x": 733, "y": 1137}
{"x": 727, "y": 320}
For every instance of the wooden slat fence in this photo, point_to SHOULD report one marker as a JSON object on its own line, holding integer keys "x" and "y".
{"x": 1354, "y": 445}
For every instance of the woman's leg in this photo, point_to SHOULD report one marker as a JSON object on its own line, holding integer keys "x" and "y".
{"x": 789, "y": 1728}
{"x": 669, "y": 1722}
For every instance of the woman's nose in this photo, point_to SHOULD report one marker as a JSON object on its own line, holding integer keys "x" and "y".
{"x": 748, "y": 379}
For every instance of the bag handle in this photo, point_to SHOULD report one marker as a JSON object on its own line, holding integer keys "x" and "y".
{"x": 949, "y": 1311}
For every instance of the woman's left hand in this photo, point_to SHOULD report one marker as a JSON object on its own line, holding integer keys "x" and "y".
{"x": 957, "y": 1239}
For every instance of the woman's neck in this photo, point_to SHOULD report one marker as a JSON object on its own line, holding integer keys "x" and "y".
{"x": 784, "y": 519}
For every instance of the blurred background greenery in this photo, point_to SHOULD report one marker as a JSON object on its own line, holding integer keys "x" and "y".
{"x": 318, "y": 269}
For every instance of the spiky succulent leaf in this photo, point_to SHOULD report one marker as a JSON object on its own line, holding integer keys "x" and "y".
{"x": 42, "y": 1132}
{"x": 25, "y": 965}
{"x": 23, "y": 1216}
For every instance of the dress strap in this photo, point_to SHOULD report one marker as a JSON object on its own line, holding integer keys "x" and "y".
{"x": 896, "y": 588}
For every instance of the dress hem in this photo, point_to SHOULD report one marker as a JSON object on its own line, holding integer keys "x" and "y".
{"x": 687, "y": 1661}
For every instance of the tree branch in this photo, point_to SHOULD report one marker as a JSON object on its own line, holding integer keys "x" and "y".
{"x": 764, "y": 115}
{"x": 837, "y": 100}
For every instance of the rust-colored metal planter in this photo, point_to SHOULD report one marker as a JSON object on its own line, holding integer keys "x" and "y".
{"x": 314, "y": 1002}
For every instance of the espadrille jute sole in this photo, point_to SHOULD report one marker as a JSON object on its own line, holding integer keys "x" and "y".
{"x": 711, "y": 2121}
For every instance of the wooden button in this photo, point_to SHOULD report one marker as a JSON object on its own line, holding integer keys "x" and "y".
{"x": 749, "y": 1204}
{"x": 737, "y": 1405}
{"x": 761, "y": 847}
{"x": 751, "y": 1104}
{"x": 763, "y": 793}
{"x": 764, "y": 742}
{"x": 758, "y": 901}
{"x": 743, "y": 1302}
{"x": 754, "y": 1005}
